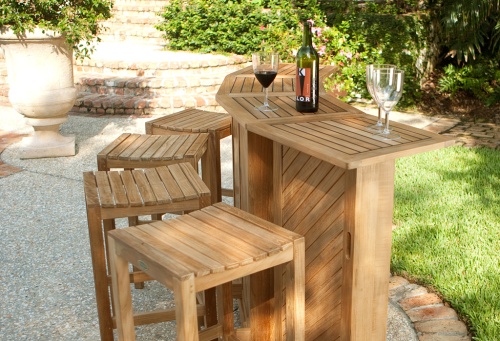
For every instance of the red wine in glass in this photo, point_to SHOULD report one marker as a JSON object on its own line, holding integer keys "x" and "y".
{"x": 265, "y": 78}
{"x": 265, "y": 68}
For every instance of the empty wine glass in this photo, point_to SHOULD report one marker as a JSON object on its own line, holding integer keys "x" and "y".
{"x": 379, "y": 126}
{"x": 265, "y": 68}
{"x": 388, "y": 89}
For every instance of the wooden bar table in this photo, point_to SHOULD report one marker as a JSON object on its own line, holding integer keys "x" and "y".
{"x": 325, "y": 176}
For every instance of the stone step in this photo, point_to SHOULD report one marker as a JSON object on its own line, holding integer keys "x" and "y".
{"x": 147, "y": 86}
{"x": 147, "y": 59}
{"x": 137, "y": 14}
{"x": 120, "y": 3}
{"x": 128, "y": 59}
{"x": 163, "y": 69}
{"x": 105, "y": 104}
{"x": 134, "y": 21}
{"x": 131, "y": 33}
{"x": 149, "y": 19}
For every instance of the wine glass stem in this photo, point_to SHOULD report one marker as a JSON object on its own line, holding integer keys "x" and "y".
{"x": 265, "y": 97}
{"x": 386, "y": 128}
{"x": 379, "y": 122}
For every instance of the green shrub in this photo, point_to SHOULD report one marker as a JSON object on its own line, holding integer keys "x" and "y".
{"x": 480, "y": 79}
{"x": 359, "y": 39}
{"x": 79, "y": 21}
{"x": 203, "y": 26}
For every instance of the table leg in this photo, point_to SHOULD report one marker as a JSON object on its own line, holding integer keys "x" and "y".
{"x": 367, "y": 247}
{"x": 257, "y": 170}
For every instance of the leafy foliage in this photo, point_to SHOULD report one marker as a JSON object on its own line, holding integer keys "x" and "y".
{"x": 481, "y": 79}
{"x": 358, "y": 39}
{"x": 78, "y": 20}
{"x": 200, "y": 25}
{"x": 470, "y": 26}
{"x": 203, "y": 26}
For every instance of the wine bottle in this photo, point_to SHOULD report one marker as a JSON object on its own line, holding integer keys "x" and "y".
{"x": 307, "y": 76}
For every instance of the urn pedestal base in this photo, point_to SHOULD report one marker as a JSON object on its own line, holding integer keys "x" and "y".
{"x": 46, "y": 141}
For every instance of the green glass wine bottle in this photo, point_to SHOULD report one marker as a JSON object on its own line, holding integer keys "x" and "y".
{"x": 307, "y": 76}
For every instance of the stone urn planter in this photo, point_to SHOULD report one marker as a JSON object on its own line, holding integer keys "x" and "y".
{"x": 40, "y": 78}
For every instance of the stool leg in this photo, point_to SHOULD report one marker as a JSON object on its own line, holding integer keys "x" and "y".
{"x": 185, "y": 309}
{"x": 244, "y": 303}
{"x": 210, "y": 302}
{"x": 108, "y": 225}
{"x": 295, "y": 294}
{"x": 210, "y": 307}
{"x": 138, "y": 285}
{"x": 211, "y": 168}
{"x": 122, "y": 297}
{"x": 227, "y": 310}
{"x": 132, "y": 221}
{"x": 97, "y": 250}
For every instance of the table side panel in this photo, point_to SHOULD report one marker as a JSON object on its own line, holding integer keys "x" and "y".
{"x": 312, "y": 204}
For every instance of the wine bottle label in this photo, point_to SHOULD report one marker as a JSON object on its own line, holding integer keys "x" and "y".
{"x": 303, "y": 89}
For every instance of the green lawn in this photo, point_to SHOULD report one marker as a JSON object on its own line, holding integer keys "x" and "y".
{"x": 447, "y": 209}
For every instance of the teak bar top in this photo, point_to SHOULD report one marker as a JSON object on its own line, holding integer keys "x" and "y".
{"x": 324, "y": 176}
{"x": 336, "y": 133}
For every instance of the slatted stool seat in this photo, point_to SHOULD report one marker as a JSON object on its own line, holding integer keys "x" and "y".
{"x": 217, "y": 125}
{"x": 117, "y": 194}
{"x": 205, "y": 249}
{"x": 130, "y": 151}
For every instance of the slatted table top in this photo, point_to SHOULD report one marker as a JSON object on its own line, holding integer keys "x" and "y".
{"x": 240, "y": 93}
{"x": 337, "y": 133}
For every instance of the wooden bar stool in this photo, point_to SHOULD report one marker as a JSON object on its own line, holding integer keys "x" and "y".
{"x": 205, "y": 249}
{"x": 110, "y": 195}
{"x": 217, "y": 125}
{"x": 131, "y": 151}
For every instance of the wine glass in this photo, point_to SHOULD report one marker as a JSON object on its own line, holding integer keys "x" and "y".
{"x": 265, "y": 68}
{"x": 379, "y": 126}
{"x": 388, "y": 89}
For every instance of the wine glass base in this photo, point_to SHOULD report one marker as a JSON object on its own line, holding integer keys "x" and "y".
{"x": 265, "y": 108}
{"x": 389, "y": 135}
{"x": 376, "y": 128}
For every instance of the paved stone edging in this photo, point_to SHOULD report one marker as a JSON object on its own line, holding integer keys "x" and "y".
{"x": 432, "y": 319}
{"x": 469, "y": 134}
